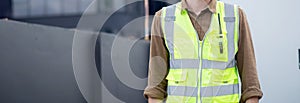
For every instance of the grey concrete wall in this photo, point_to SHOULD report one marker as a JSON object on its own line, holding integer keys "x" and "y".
{"x": 37, "y": 65}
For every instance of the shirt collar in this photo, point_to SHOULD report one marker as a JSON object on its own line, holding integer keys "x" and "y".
{"x": 211, "y": 6}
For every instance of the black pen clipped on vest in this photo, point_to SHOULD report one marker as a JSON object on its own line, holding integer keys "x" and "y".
{"x": 299, "y": 58}
{"x": 221, "y": 35}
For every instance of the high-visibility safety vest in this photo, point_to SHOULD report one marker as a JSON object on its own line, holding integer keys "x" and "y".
{"x": 202, "y": 71}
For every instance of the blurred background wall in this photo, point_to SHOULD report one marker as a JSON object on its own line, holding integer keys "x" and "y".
{"x": 66, "y": 13}
{"x": 275, "y": 32}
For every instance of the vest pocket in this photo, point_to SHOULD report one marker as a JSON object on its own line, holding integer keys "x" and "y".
{"x": 178, "y": 89}
{"x": 225, "y": 81}
{"x": 176, "y": 77}
{"x": 216, "y": 77}
{"x": 215, "y": 48}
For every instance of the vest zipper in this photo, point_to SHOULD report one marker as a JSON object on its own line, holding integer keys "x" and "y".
{"x": 200, "y": 53}
{"x": 200, "y": 58}
{"x": 199, "y": 72}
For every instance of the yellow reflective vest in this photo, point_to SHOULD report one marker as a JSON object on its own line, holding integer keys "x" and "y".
{"x": 202, "y": 71}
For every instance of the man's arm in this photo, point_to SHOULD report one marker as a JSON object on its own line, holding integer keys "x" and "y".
{"x": 156, "y": 89}
{"x": 246, "y": 63}
{"x": 252, "y": 100}
{"x": 153, "y": 100}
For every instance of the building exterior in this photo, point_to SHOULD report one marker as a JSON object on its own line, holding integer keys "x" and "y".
{"x": 67, "y": 13}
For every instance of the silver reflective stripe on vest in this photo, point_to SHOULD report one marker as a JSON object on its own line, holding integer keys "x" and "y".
{"x": 194, "y": 64}
{"x": 219, "y": 90}
{"x": 230, "y": 25}
{"x": 169, "y": 28}
{"x": 182, "y": 91}
{"x": 207, "y": 64}
{"x": 205, "y": 91}
{"x": 229, "y": 19}
{"x": 184, "y": 63}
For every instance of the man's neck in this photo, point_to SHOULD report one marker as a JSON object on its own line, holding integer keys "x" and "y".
{"x": 197, "y": 5}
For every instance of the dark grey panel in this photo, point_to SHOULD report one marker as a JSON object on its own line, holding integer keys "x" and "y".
{"x": 138, "y": 62}
{"x": 36, "y": 64}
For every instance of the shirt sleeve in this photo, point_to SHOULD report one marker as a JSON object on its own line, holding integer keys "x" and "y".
{"x": 246, "y": 62}
{"x": 158, "y": 65}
